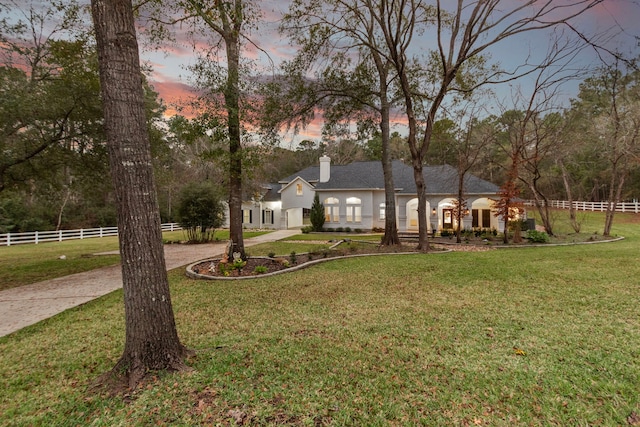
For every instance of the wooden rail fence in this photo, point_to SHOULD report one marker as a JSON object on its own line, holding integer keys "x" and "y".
{"x": 633, "y": 207}
{"x": 8, "y": 239}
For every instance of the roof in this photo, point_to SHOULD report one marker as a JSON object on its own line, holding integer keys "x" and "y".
{"x": 310, "y": 174}
{"x": 271, "y": 194}
{"x": 369, "y": 175}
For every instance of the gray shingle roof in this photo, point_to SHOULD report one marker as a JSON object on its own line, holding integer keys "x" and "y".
{"x": 310, "y": 174}
{"x": 271, "y": 194}
{"x": 368, "y": 175}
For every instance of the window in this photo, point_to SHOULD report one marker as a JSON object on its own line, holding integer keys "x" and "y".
{"x": 298, "y": 189}
{"x": 486, "y": 218}
{"x": 267, "y": 216}
{"x": 247, "y": 216}
{"x": 481, "y": 218}
{"x": 383, "y": 212}
{"x": 354, "y": 209}
{"x": 331, "y": 209}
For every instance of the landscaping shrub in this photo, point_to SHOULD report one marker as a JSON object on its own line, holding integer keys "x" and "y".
{"x": 200, "y": 212}
{"x": 535, "y": 236}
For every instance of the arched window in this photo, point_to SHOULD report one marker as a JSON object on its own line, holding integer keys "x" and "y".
{"x": 331, "y": 209}
{"x": 354, "y": 209}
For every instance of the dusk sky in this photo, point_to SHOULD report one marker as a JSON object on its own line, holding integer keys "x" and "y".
{"x": 170, "y": 76}
{"x": 622, "y": 17}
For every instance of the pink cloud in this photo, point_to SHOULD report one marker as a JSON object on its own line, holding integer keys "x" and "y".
{"x": 175, "y": 96}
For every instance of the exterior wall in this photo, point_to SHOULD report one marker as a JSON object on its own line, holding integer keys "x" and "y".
{"x": 290, "y": 198}
{"x": 409, "y": 214}
{"x": 258, "y": 218}
{"x": 377, "y": 199}
{"x": 294, "y": 218}
{"x": 293, "y": 203}
{"x": 276, "y": 214}
{"x": 407, "y": 206}
{"x": 254, "y": 216}
{"x": 476, "y": 202}
{"x": 486, "y": 203}
{"x": 367, "y": 213}
{"x": 289, "y": 212}
{"x": 441, "y": 206}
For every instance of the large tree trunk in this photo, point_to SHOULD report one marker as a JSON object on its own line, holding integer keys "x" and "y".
{"x": 421, "y": 189}
{"x": 152, "y": 341}
{"x": 232, "y": 102}
{"x": 390, "y": 226}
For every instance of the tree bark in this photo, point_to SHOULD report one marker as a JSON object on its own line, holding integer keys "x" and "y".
{"x": 151, "y": 341}
{"x": 421, "y": 189}
{"x": 567, "y": 186}
{"x": 390, "y": 225}
{"x": 615, "y": 195}
{"x": 542, "y": 205}
{"x": 461, "y": 206}
{"x": 232, "y": 102}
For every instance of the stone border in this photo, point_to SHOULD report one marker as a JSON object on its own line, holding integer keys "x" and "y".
{"x": 193, "y": 275}
{"x": 546, "y": 245}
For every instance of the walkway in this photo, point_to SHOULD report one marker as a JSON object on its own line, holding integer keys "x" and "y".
{"x": 26, "y": 305}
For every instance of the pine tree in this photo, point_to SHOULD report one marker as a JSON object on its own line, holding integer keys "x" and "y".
{"x": 317, "y": 214}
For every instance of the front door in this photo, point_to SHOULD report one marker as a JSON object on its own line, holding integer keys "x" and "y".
{"x": 447, "y": 218}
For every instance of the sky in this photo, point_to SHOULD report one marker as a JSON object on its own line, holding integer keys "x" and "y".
{"x": 619, "y": 18}
{"x": 170, "y": 76}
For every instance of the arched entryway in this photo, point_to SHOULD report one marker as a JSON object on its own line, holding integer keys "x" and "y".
{"x": 483, "y": 214}
{"x": 412, "y": 215}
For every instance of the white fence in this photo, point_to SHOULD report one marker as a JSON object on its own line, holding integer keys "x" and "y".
{"x": 633, "y": 207}
{"x": 36, "y": 237}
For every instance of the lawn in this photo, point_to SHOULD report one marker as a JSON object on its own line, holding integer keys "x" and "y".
{"x": 25, "y": 264}
{"x": 533, "y": 336}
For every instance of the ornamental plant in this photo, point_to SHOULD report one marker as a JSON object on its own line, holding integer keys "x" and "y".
{"x": 317, "y": 214}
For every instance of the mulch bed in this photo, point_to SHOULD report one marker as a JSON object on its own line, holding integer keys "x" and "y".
{"x": 211, "y": 268}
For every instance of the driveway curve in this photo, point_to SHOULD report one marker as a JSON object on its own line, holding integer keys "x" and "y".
{"x": 27, "y": 305}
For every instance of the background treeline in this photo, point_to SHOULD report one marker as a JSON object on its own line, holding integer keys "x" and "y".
{"x": 54, "y": 171}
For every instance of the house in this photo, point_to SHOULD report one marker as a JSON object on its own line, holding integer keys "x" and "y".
{"x": 353, "y": 196}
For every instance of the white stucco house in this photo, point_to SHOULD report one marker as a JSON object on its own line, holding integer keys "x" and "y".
{"x": 353, "y": 196}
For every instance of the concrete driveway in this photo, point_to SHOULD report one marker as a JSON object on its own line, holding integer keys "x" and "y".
{"x": 26, "y": 305}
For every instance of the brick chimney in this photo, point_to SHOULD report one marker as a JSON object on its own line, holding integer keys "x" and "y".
{"x": 325, "y": 168}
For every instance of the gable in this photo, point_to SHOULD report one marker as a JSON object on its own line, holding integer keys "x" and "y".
{"x": 293, "y": 183}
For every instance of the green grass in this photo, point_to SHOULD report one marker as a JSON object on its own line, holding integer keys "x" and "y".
{"x": 221, "y": 235}
{"x": 316, "y": 242}
{"x": 285, "y": 248}
{"x": 537, "y": 336}
{"x": 375, "y": 237}
{"x": 24, "y": 264}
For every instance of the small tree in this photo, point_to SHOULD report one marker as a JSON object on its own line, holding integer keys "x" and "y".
{"x": 200, "y": 212}
{"x": 508, "y": 205}
{"x": 317, "y": 214}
